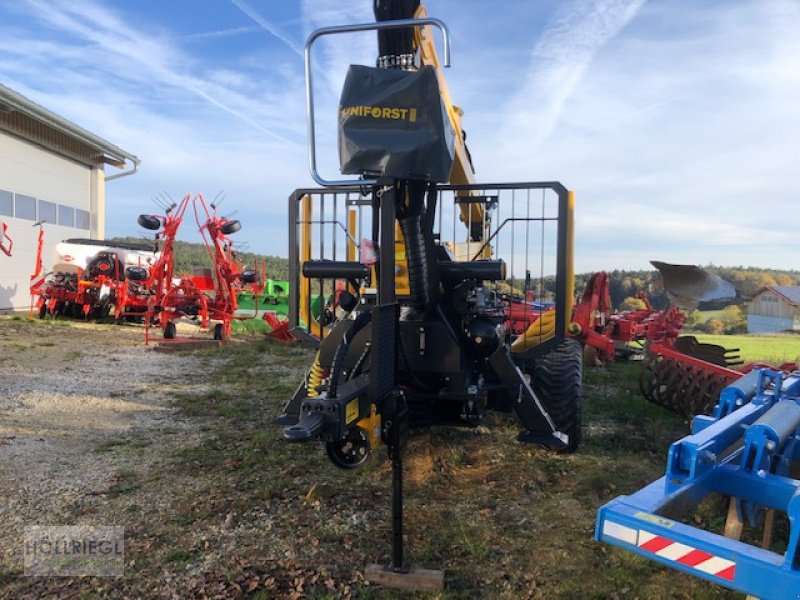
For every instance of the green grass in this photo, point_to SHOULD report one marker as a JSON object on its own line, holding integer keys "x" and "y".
{"x": 250, "y": 326}
{"x": 503, "y": 519}
{"x": 773, "y": 349}
{"x": 708, "y": 314}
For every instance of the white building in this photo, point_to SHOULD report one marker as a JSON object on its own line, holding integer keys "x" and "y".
{"x": 774, "y": 309}
{"x": 51, "y": 170}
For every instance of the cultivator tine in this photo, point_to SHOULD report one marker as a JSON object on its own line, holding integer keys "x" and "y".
{"x": 688, "y": 285}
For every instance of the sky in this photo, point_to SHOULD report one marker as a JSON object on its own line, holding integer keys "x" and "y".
{"x": 676, "y": 123}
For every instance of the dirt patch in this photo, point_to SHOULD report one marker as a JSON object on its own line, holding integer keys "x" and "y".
{"x": 180, "y": 450}
{"x": 86, "y": 411}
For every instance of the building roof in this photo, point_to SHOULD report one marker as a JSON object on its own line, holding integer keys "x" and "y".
{"x": 27, "y": 119}
{"x": 790, "y": 293}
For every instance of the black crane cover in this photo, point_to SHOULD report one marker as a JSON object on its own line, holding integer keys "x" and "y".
{"x": 393, "y": 123}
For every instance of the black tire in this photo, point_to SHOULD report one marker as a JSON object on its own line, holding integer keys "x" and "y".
{"x": 230, "y": 227}
{"x": 219, "y": 332}
{"x": 557, "y": 379}
{"x": 150, "y": 222}
{"x": 169, "y": 331}
{"x": 43, "y": 311}
{"x": 136, "y": 273}
{"x": 352, "y": 452}
{"x": 249, "y": 276}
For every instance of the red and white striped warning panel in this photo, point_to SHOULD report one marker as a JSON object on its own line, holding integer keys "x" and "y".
{"x": 671, "y": 550}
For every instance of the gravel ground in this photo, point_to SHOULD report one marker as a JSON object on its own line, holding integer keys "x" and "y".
{"x": 85, "y": 410}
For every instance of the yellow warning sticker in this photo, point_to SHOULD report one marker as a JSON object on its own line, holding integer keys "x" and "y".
{"x": 654, "y": 519}
{"x": 351, "y": 411}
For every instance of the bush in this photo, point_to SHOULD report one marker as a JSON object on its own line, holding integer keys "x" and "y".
{"x": 631, "y": 303}
{"x": 733, "y": 319}
{"x": 693, "y": 319}
{"x": 714, "y": 326}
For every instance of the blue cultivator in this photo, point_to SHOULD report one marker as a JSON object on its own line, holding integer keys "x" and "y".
{"x": 746, "y": 450}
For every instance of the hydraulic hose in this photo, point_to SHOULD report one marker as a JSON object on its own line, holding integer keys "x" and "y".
{"x": 417, "y": 234}
{"x": 417, "y": 259}
{"x": 395, "y": 46}
{"x": 362, "y": 320}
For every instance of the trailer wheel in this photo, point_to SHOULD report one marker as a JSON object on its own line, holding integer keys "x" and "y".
{"x": 43, "y": 311}
{"x": 352, "y": 451}
{"x": 219, "y": 332}
{"x": 169, "y": 331}
{"x": 557, "y": 379}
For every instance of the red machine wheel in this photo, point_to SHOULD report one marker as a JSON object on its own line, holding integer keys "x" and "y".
{"x": 219, "y": 332}
{"x": 169, "y": 331}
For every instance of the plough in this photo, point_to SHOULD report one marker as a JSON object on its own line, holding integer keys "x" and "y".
{"x": 594, "y": 324}
{"x": 747, "y": 450}
{"x": 680, "y": 373}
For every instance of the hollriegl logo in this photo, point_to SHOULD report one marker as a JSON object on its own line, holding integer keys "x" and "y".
{"x": 74, "y": 551}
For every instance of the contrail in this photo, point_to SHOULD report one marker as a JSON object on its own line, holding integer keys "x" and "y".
{"x": 562, "y": 56}
{"x": 108, "y": 32}
{"x": 266, "y": 25}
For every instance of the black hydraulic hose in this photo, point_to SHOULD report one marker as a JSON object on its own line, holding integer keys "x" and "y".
{"x": 417, "y": 259}
{"x": 395, "y": 42}
{"x": 416, "y": 226}
{"x": 360, "y": 322}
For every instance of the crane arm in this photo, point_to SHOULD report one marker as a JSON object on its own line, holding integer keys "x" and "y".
{"x": 463, "y": 172}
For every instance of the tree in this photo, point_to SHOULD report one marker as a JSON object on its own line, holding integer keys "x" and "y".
{"x": 714, "y": 326}
{"x": 693, "y": 319}
{"x": 733, "y": 319}
{"x": 631, "y": 303}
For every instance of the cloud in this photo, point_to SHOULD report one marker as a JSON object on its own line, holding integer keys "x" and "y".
{"x": 560, "y": 59}
{"x": 680, "y": 135}
{"x": 677, "y": 125}
{"x": 196, "y": 127}
{"x": 102, "y": 27}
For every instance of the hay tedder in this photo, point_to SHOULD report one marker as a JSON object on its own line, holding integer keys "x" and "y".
{"x": 421, "y": 263}
{"x": 163, "y": 298}
{"x": 136, "y": 282}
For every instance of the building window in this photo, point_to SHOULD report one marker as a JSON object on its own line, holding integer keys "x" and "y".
{"x": 66, "y": 216}
{"x": 6, "y": 203}
{"x": 24, "y": 207}
{"x": 47, "y": 211}
{"x": 82, "y": 219}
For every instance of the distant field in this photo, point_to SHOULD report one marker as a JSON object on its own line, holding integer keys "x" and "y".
{"x": 763, "y": 348}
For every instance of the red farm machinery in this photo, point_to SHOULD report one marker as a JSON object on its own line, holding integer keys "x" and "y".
{"x": 206, "y": 297}
{"x": 6, "y": 243}
{"x": 136, "y": 282}
{"x": 87, "y": 278}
